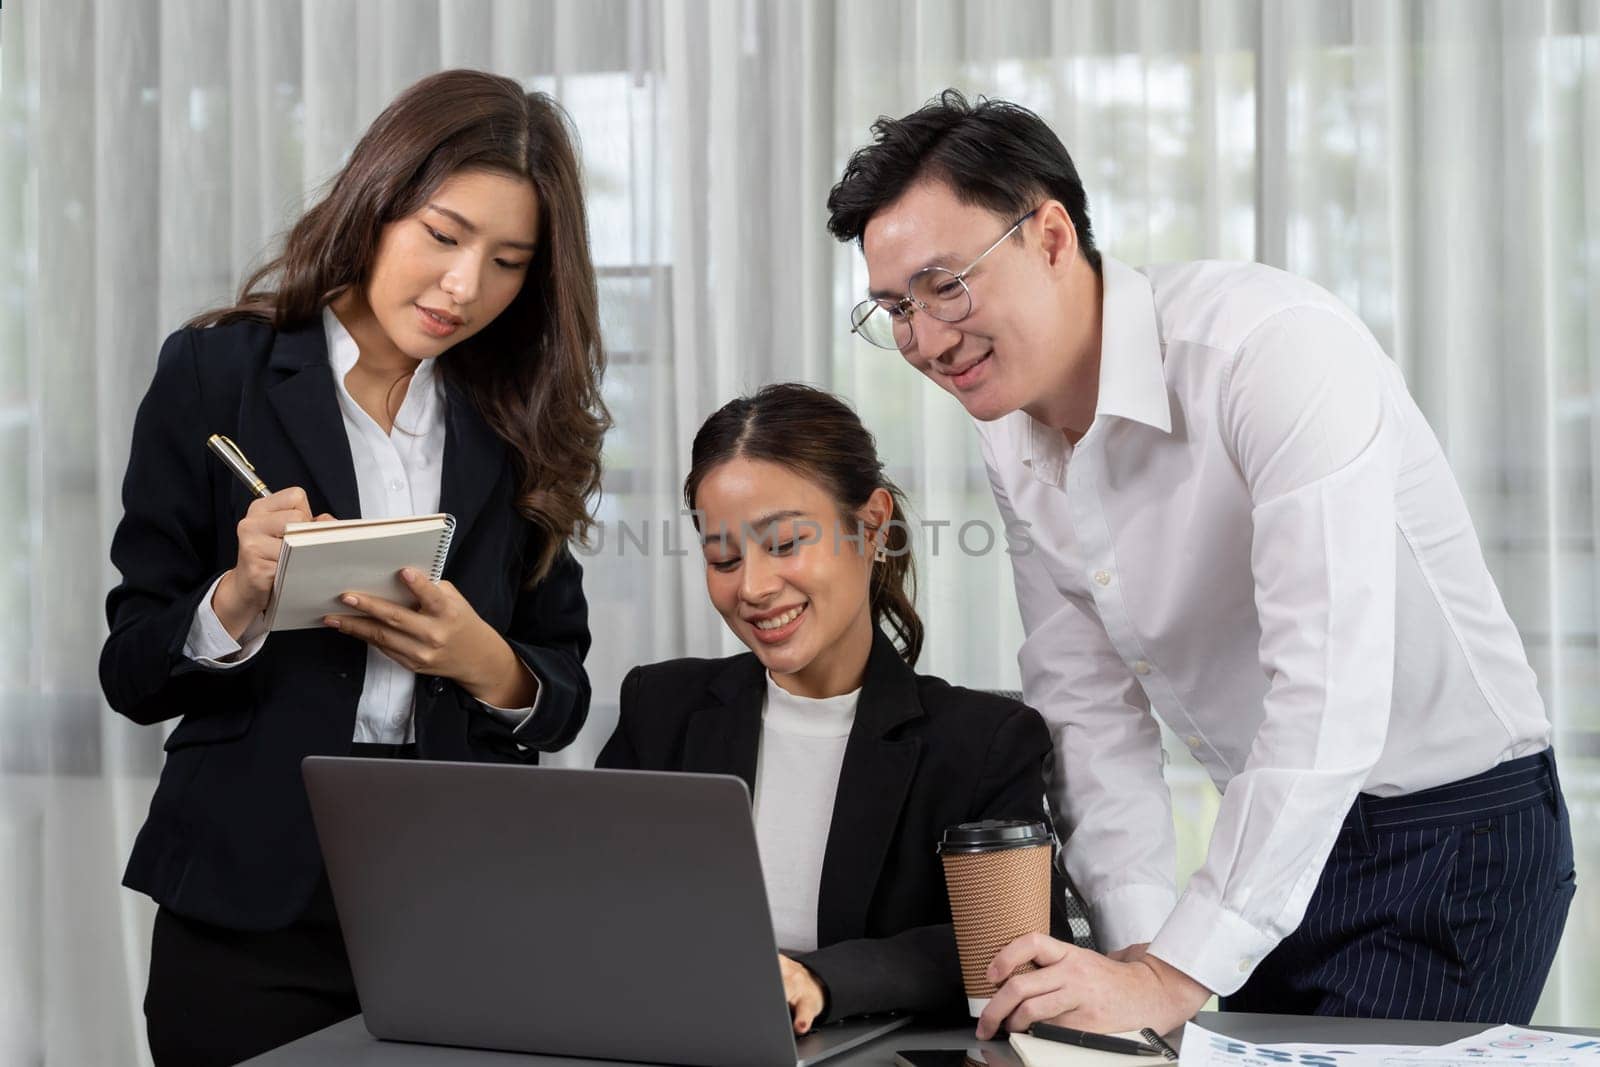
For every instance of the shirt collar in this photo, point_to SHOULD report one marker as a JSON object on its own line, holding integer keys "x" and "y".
{"x": 343, "y": 353}
{"x": 1133, "y": 382}
{"x": 342, "y": 350}
{"x": 1044, "y": 450}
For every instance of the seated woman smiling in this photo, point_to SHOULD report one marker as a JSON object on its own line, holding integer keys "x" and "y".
{"x": 856, "y": 763}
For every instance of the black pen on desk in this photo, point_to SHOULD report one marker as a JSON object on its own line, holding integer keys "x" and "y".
{"x": 234, "y": 460}
{"x": 1082, "y": 1038}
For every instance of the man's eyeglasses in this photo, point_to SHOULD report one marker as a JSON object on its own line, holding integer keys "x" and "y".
{"x": 936, "y": 291}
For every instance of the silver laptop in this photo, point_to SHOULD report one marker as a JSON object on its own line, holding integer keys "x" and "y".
{"x": 616, "y": 915}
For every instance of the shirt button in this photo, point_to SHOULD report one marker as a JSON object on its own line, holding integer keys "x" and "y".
{"x": 1141, "y": 667}
{"x": 1192, "y": 741}
{"x": 1244, "y": 965}
{"x": 396, "y": 485}
{"x": 1102, "y": 577}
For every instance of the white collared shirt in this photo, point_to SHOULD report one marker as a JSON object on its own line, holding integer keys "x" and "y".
{"x": 397, "y": 474}
{"x": 1258, "y": 538}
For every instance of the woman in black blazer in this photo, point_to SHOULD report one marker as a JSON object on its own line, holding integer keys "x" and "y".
{"x": 856, "y": 764}
{"x": 456, "y": 234}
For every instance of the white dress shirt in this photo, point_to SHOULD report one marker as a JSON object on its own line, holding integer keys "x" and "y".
{"x": 797, "y": 777}
{"x": 1258, "y": 539}
{"x": 397, "y": 474}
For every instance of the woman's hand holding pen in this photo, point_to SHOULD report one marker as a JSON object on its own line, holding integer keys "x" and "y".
{"x": 243, "y": 592}
{"x": 444, "y": 637}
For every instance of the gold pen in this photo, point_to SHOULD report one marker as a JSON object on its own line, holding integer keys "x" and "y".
{"x": 242, "y": 468}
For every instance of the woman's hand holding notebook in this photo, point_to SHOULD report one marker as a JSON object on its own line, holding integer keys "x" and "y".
{"x": 322, "y": 560}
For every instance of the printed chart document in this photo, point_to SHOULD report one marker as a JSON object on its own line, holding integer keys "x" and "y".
{"x": 1501, "y": 1046}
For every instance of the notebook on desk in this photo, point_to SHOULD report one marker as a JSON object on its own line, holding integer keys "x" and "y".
{"x": 322, "y": 560}
{"x": 1037, "y": 1052}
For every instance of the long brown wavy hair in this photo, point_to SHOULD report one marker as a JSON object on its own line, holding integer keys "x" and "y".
{"x": 820, "y": 437}
{"x": 534, "y": 372}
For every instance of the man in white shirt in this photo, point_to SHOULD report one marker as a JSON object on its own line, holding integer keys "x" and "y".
{"x": 1239, "y": 522}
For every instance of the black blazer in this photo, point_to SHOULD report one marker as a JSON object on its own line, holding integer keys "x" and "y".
{"x": 922, "y": 755}
{"x": 229, "y": 838}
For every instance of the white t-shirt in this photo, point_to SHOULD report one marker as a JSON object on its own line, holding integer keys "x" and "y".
{"x": 797, "y": 775}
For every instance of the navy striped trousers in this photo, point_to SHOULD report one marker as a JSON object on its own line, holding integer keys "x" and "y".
{"x": 1447, "y": 903}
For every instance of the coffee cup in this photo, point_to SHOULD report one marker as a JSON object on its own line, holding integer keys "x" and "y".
{"x": 998, "y": 875}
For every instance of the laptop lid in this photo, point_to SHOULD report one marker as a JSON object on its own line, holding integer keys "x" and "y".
{"x": 609, "y": 914}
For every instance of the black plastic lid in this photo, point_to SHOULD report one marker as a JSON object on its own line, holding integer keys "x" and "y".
{"x": 994, "y": 835}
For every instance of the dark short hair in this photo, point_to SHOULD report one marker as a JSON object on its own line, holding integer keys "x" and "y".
{"x": 992, "y": 153}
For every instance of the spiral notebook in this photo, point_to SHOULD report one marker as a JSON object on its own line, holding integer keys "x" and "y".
{"x": 320, "y": 561}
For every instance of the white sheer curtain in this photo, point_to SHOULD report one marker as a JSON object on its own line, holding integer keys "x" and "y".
{"x": 1436, "y": 163}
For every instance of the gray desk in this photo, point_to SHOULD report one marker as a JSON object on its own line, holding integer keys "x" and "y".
{"x": 349, "y": 1045}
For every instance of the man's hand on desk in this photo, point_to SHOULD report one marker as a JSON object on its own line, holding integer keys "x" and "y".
{"x": 1087, "y": 991}
{"x": 803, "y": 991}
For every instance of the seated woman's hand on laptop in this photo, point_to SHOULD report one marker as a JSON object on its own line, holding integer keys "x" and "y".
{"x": 803, "y": 992}
{"x": 1087, "y": 991}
